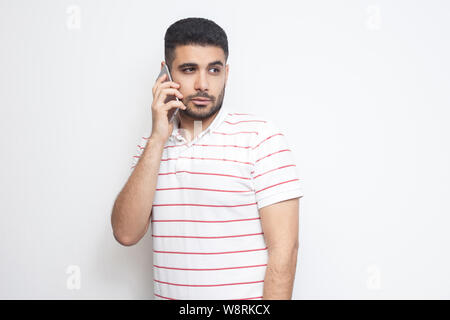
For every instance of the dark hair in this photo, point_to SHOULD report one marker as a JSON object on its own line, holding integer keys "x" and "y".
{"x": 193, "y": 31}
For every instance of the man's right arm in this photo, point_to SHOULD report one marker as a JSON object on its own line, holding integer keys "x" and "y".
{"x": 132, "y": 209}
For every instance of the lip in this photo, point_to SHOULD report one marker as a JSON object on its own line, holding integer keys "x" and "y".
{"x": 201, "y": 101}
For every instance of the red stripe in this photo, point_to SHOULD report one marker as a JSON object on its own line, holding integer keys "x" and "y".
{"x": 244, "y": 121}
{"x": 271, "y": 154}
{"x": 207, "y": 285}
{"x": 224, "y": 133}
{"x": 204, "y": 189}
{"x": 207, "y": 173}
{"x": 240, "y": 114}
{"x": 210, "y": 221}
{"x": 227, "y": 299}
{"x": 221, "y": 145}
{"x": 203, "y": 205}
{"x": 226, "y": 252}
{"x": 276, "y": 185}
{"x": 259, "y": 175}
{"x": 276, "y": 134}
{"x": 176, "y": 145}
{"x": 195, "y": 158}
{"x": 218, "y": 237}
{"x": 207, "y": 145}
{"x": 164, "y": 297}
{"x": 215, "y": 269}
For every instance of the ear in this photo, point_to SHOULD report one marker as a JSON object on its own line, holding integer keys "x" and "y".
{"x": 227, "y": 68}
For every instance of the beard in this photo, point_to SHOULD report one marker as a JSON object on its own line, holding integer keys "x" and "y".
{"x": 204, "y": 112}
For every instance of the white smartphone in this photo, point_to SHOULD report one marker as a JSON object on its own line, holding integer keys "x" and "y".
{"x": 165, "y": 70}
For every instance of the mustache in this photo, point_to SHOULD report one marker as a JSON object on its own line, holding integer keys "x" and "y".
{"x": 202, "y": 96}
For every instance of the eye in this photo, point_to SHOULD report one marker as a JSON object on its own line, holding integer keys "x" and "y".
{"x": 218, "y": 70}
{"x": 184, "y": 70}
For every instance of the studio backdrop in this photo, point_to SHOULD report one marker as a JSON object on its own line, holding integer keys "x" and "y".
{"x": 360, "y": 88}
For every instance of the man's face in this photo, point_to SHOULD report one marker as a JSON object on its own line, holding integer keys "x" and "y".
{"x": 201, "y": 73}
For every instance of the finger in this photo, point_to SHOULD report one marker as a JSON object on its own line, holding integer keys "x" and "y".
{"x": 162, "y": 78}
{"x": 167, "y": 84}
{"x": 163, "y": 93}
{"x": 175, "y": 104}
{"x": 159, "y": 81}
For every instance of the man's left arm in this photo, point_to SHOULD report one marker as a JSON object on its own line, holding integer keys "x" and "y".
{"x": 280, "y": 226}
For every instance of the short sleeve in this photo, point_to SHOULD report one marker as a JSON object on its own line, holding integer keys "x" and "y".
{"x": 275, "y": 174}
{"x": 141, "y": 143}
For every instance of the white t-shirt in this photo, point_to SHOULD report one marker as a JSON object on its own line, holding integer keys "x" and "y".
{"x": 208, "y": 241}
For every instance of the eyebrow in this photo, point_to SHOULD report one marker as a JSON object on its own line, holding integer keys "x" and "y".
{"x": 192, "y": 64}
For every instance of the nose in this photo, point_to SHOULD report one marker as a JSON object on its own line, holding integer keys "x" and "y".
{"x": 201, "y": 82}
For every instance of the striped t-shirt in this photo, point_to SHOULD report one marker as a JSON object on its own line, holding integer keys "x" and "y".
{"x": 208, "y": 241}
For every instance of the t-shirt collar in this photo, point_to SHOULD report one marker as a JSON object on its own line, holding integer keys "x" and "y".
{"x": 213, "y": 125}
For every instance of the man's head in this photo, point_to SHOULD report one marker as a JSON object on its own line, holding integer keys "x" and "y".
{"x": 196, "y": 52}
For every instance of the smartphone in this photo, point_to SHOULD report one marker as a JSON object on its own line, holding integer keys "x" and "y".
{"x": 165, "y": 70}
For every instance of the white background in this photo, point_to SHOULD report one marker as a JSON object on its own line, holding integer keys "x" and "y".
{"x": 361, "y": 89}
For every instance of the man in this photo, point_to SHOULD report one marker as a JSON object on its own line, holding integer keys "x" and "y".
{"x": 220, "y": 188}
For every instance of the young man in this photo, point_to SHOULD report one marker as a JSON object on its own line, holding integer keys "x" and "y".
{"x": 219, "y": 187}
